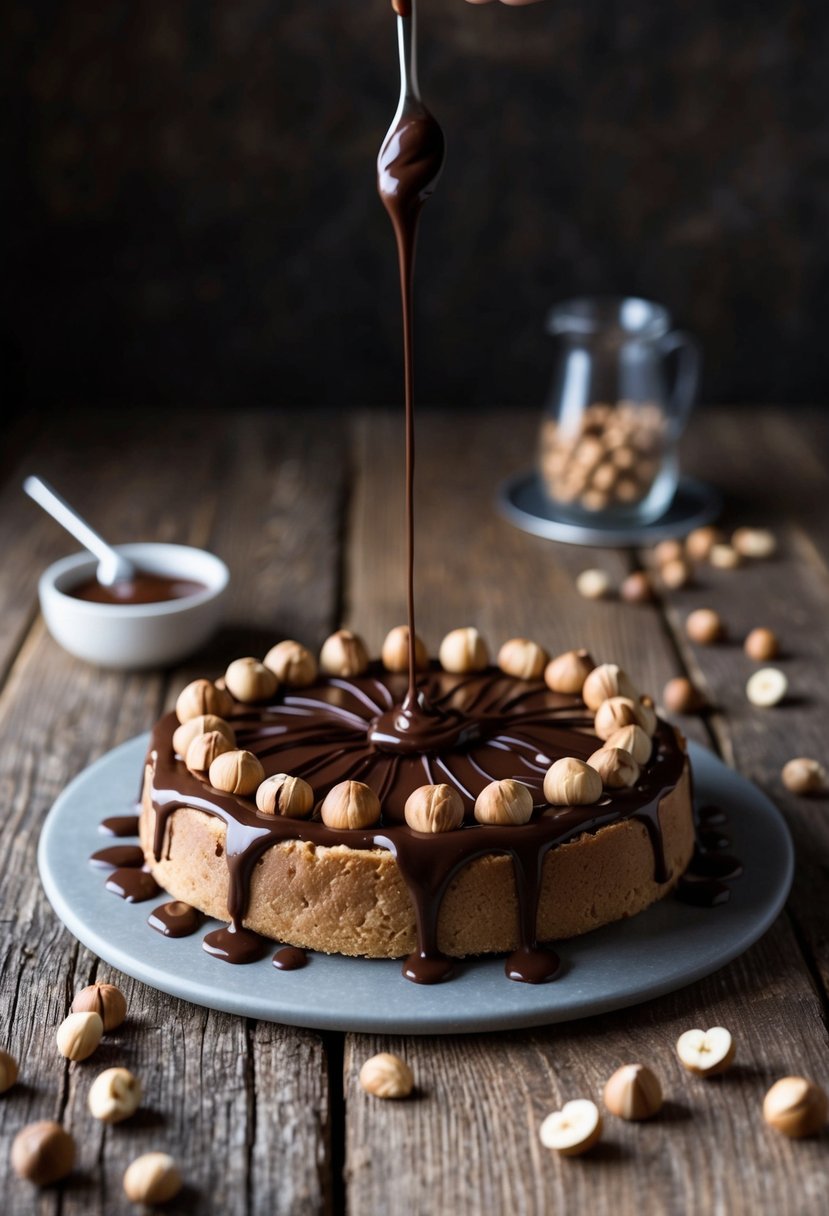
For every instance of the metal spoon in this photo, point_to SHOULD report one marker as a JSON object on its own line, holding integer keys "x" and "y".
{"x": 112, "y": 566}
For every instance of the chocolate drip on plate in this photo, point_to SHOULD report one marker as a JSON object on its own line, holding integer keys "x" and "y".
{"x": 235, "y": 945}
{"x": 290, "y": 958}
{"x": 134, "y": 886}
{"x": 175, "y": 919}
{"x": 118, "y": 855}
{"x": 119, "y": 825}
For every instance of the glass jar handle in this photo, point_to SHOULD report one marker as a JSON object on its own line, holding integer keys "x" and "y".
{"x": 688, "y": 356}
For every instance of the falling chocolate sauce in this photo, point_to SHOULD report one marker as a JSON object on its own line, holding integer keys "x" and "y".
{"x": 290, "y": 958}
{"x": 175, "y": 919}
{"x": 119, "y": 825}
{"x": 118, "y": 855}
{"x": 408, "y": 167}
{"x": 145, "y": 588}
{"x": 134, "y": 886}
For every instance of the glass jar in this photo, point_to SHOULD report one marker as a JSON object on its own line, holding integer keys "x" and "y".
{"x": 616, "y": 410}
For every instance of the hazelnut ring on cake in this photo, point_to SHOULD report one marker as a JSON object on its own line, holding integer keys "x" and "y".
{"x": 552, "y": 804}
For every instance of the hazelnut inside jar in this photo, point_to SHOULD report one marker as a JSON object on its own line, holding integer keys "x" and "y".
{"x": 607, "y": 444}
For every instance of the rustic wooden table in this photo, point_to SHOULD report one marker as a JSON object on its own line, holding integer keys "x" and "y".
{"x": 306, "y": 508}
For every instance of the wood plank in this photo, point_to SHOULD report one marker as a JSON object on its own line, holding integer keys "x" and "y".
{"x": 210, "y": 1080}
{"x": 472, "y": 1139}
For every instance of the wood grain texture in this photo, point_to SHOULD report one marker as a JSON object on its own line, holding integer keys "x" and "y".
{"x": 472, "y": 1135}
{"x": 243, "y": 1106}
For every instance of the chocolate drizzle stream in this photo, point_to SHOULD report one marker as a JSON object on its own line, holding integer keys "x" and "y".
{"x": 494, "y": 727}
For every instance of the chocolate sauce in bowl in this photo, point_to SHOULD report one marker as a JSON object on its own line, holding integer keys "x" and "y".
{"x": 145, "y": 588}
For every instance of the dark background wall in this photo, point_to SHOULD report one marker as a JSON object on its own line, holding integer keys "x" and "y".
{"x": 192, "y": 214}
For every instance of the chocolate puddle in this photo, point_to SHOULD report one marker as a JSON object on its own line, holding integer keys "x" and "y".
{"x": 134, "y": 886}
{"x": 118, "y": 855}
{"x": 175, "y": 919}
{"x": 290, "y": 958}
{"x": 119, "y": 825}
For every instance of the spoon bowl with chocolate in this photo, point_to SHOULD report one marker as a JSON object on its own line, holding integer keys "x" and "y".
{"x": 166, "y": 610}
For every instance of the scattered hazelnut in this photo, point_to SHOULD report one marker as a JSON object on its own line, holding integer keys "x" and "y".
{"x": 613, "y": 714}
{"x": 114, "y": 1095}
{"x": 699, "y": 543}
{"x": 679, "y": 696}
{"x": 79, "y": 1034}
{"x": 705, "y": 627}
{"x": 395, "y": 652}
{"x": 571, "y": 782}
{"x": 204, "y": 749}
{"x": 284, "y": 795}
{"x": 567, "y": 672}
{"x": 572, "y": 1130}
{"x": 8, "y": 1071}
{"x": 804, "y": 776}
{"x": 43, "y": 1153}
{"x": 594, "y": 584}
{"x": 754, "y": 542}
{"x": 386, "y": 1076}
{"x": 292, "y": 664}
{"x": 706, "y": 1052}
{"x": 633, "y": 1092}
{"x": 350, "y": 805}
{"x": 106, "y": 1000}
{"x": 463, "y": 650}
{"x": 152, "y": 1178}
{"x": 249, "y": 680}
{"x": 617, "y": 768}
{"x": 724, "y": 557}
{"x": 504, "y": 802}
{"x": 676, "y": 574}
{"x": 523, "y": 659}
{"x": 668, "y": 551}
{"x": 434, "y": 808}
{"x": 767, "y": 687}
{"x": 606, "y": 681}
{"x": 796, "y": 1107}
{"x": 203, "y": 697}
{"x": 236, "y": 772}
{"x": 184, "y": 735}
{"x": 344, "y": 654}
{"x": 637, "y": 588}
{"x": 633, "y": 740}
{"x": 762, "y": 645}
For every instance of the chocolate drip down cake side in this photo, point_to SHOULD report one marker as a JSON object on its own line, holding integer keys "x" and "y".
{"x": 506, "y": 806}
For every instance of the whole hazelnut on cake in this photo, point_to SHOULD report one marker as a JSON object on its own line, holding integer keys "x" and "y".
{"x": 395, "y": 652}
{"x": 606, "y": 681}
{"x": 613, "y": 714}
{"x": 203, "y": 697}
{"x": 434, "y": 808}
{"x": 344, "y": 654}
{"x": 248, "y": 680}
{"x": 184, "y": 735}
{"x": 566, "y": 673}
{"x": 204, "y": 749}
{"x": 292, "y": 664}
{"x": 571, "y": 782}
{"x": 504, "y": 802}
{"x": 285, "y": 795}
{"x": 523, "y": 659}
{"x": 617, "y": 768}
{"x": 349, "y": 806}
{"x": 236, "y": 772}
{"x": 463, "y": 650}
{"x": 634, "y": 740}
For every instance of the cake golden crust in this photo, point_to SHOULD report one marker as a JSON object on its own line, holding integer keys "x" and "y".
{"x": 354, "y": 901}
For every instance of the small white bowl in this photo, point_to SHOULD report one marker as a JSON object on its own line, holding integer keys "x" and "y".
{"x": 130, "y": 636}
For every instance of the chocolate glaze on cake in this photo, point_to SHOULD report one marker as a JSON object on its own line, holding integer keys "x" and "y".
{"x": 493, "y": 727}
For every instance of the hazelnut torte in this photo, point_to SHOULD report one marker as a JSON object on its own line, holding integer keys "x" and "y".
{"x": 501, "y": 807}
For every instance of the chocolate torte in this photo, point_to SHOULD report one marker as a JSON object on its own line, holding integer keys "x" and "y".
{"x": 384, "y": 889}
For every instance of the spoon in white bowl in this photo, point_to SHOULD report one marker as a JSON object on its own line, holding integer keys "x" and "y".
{"x": 112, "y": 567}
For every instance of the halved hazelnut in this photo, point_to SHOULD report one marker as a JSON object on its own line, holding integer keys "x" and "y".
{"x": 572, "y": 1130}
{"x": 706, "y": 1052}
{"x": 767, "y": 687}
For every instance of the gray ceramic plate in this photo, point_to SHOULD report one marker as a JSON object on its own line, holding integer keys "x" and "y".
{"x": 523, "y": 502}
{"x": 666, "y": 947}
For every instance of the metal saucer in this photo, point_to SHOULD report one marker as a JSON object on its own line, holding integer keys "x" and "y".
{"x": 523, "y": 502}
